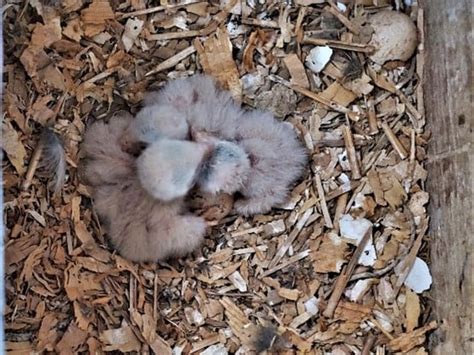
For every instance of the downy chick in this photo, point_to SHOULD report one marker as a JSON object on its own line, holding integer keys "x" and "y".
{"x": 267, "y": 160}
{"x": 277, "y": 157}
{"x": 140, "y": 228}
{"x": 190, "y": 103}
{"x": 226, "y": 170}
{"x": 169, "y": 168}
{"x": 153, "y": 122}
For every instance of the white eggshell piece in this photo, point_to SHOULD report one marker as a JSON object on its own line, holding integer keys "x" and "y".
{"x": 341, "y": 7}
{"x": 312, "y": 306}
{"x": 318, "y": 58}
{"x": 218, "y": 349}
{"x": 368, "y": 256}
{"x": 353, "y": 229}
{"x": 419, "y": 278}
{"x": 356, "y": 293}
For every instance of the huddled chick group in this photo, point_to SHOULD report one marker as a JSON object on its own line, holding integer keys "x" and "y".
{"x": 191, "y": 133}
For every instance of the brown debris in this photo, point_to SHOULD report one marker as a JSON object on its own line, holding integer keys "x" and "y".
{"x": 215, "y": 56}
{"x": 287, "y": 281}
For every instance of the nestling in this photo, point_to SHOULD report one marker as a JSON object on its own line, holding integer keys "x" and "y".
{"x": 139, "y": 226}
{"x": 183, "y": 104}
{"x": 169, "y": 168}
{"x": 277, "y": 161}
{"x": 276, "y": 158}
{"x": 226, "y": 170}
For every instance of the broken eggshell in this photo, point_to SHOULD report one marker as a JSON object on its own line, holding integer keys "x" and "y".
{"x": 394, "y": 37}
{"x": 353, "y": 231}
{"x": 318, "y": 58}
{"x": 419, "y": 278}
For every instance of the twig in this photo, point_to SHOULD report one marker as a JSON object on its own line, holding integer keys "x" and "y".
{"x": 331, "y": 104}
{"x": 291, "y": 260}
{"x": 154, "y": 9}
{"x": 299, "y": 32}
{"x": 358, "y": 189}
{"x": 412, "y": 161}
{"x": 171, "y": 62}
{"x": 372, "y": 117}
{"x": 340, "y": 207}
{"x": 132, "y": 288}
{"x": 369, "y": 342}
{"x": 420, "y": 63}
{"x": 351, "y": 152}
{"x": 342, "y": 190}
{"x": 392, "y": 138}
{"x": 173, "y": 35}
{"x": 294, "y": 233}
{"x": 240, "y": 233}
{"x": 205, "y": 343}
{"x": 34, "y": 162}
{"x": 344, "y": 277}
{"x": 102, "y": 75}
{"x": 382, "y": 329}
{"x": 260, "y": 23}
{"x": 155, "y": 296}
{"x": 322, "y": 200}
{"x": 355, "y": 47}
{"x": 377, "y": 273}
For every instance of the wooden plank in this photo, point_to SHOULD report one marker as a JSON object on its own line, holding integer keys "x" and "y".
{"x": 448, "y": 90}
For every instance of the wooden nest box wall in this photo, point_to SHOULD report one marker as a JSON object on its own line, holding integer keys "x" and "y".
{"x": 448, "y": 101}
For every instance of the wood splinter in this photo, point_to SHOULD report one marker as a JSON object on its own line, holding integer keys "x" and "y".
{"x": 322, "y": 201}
{"x": 35, "y": 160}
{"x": 351, "y": 152}
{"x": 173, "y": 61}
{"x": 396, "y": 144}
{"x": 344, "y": 277}
{"x": 372, "y": 118}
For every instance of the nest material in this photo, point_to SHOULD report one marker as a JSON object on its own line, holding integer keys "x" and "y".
{"x": 301, "y": 271}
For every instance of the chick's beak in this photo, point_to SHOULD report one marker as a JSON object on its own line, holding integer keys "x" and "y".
{"x": 208, "y": 150}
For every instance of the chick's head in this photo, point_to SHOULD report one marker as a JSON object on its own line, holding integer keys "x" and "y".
{"x": 169, "y": 168}
{"x": 160, "y": 121}
{"x": 226, "y": 170}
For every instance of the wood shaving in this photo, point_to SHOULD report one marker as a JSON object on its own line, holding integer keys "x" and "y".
{"x": 293, "y": 280}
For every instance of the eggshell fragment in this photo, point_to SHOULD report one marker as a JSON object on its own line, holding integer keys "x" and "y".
{"x": 419, "y": 278}
{"x": 394, "y": 37}
{"x": 318, "y": 58}
{"x": 353, "y": 230}
{"x": 356, "y": 293}
{"x": 218, "y": 349}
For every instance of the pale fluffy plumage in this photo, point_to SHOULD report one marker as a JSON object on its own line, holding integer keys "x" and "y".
{"x": 204, "y": 106}
{"x": 169, "y": 168}
{"x": 171, "y": 123}
{"x": 277, "y": 157}
{"x": 140, "y": 227}
{"x": 228, "y": 168}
